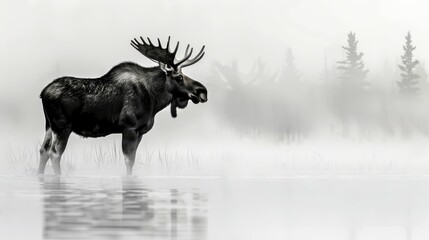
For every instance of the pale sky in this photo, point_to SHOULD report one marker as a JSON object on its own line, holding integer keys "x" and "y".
{"x": 40, "y": 39}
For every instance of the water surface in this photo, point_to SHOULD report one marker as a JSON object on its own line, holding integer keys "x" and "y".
{"x": 214, "y": 208}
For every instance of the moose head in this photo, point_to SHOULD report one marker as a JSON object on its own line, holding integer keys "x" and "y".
{"x": 182, "y": 87}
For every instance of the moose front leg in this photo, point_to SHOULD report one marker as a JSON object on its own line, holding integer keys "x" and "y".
{"x": 130, "y": 142}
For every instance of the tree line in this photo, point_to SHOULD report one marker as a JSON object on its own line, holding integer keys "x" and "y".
{"x": 284, "y": 105}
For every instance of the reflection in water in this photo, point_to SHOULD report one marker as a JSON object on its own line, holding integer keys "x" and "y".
{"x": 126, "y": 209}
{"x": 294, "y": 208}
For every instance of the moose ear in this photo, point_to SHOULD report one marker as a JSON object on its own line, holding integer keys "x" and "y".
{"x": 165, "y": 68}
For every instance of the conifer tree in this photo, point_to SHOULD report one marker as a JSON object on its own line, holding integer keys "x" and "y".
{"x": 290, "y": 73}
{"x": 352, "y": 68}
{"x": 408, "y": 84}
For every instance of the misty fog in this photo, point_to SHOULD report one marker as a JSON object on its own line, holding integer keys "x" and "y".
{"x": 272, "y": 69}
{"x": 316, "y": 125}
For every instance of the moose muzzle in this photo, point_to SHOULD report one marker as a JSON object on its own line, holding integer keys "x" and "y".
{"x": 199, "y": 94}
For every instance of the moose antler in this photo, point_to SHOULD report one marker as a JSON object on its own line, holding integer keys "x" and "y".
{"x": 164, "y": 55}
{"x": 195, "y": 59}
{"x": 154, "y": 53}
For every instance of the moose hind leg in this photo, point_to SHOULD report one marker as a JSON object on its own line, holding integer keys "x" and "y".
{"x": 44, "y": 150}
{"x": 59, "y": 143}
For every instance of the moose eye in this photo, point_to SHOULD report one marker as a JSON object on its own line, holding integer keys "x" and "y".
{"x": 179, "y": 79}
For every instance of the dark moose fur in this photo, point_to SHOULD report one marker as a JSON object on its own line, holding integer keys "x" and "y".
{"x": 125, "y": 100}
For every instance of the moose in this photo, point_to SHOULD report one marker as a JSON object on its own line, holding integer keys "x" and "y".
{"x": 125, "y": 100}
